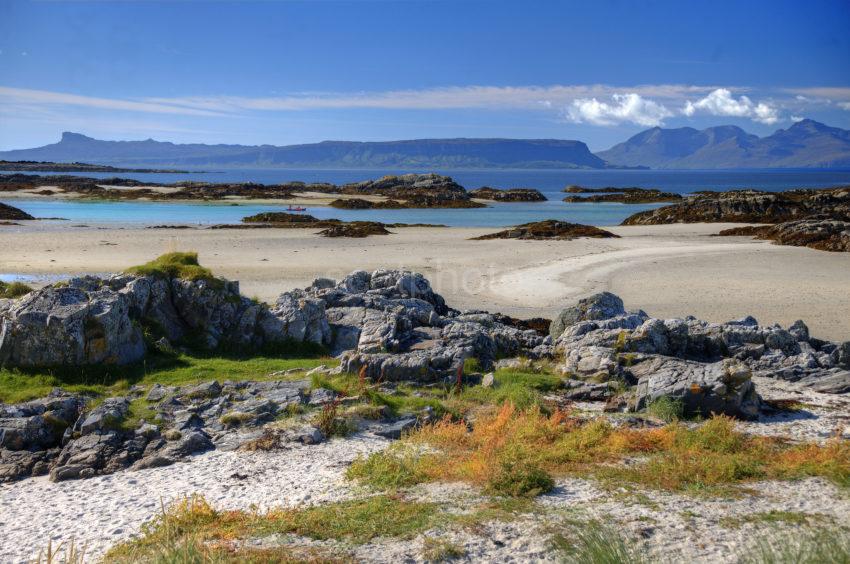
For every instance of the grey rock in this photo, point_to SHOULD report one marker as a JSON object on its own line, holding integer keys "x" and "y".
{"x": 69, "y": 326}
{"x": 598, "y": 306}
{"x": 394, "y": 430}
{"x": 106, "y": 416}
{"x": 831, "y": 382}
{"x": 721, "y": 387}
{"x": 204, "y": 390}
{"x": 157, "y": 393}
{"x": 799, "y": 331}
{"x": 322, "y": 396}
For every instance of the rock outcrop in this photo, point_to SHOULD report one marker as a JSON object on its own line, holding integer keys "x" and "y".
{"x": 549, "y": 229}
{"x": 619, "y": 195}
{"x": 822, "y": 234}
{"x": 508, "y": 195}
{"x": 392, "y": 323}
{"x": 11, "y": 213}
{"x": 99, "y": 321}
{"x": 708, "y": 366}
{"x": 415, "y": 191}
{"x": 750, "y": 206}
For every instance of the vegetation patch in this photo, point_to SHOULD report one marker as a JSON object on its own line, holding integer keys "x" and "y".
{"x": 801, "y": 547}
{"x": 775, "y": 516}
{"x": 17, "y": 385}
{"x": 176, "y": 265}
{"x": 711, "y": 458}
{"x": 12, "y": 290}
{"x": 667, "y": 409}
{"x": 440, "y": 550}
{"x": 194, "y": 525}
{"x": 594, "y": 543}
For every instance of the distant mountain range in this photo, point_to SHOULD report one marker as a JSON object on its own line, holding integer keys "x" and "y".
{"x": 420, "y": 154}
{"x": 806, "y": 144}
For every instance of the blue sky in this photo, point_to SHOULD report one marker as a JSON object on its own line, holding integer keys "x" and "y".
{"x": 291, "y": 71}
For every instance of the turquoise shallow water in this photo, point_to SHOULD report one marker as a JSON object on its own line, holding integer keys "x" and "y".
{"x": 206, "y": 214}
{"x": 550, "y": 182}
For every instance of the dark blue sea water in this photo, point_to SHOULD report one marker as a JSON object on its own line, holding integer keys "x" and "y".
{"x": 550, "y": 182}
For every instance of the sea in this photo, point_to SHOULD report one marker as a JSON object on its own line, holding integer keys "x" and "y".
{"x": 550, "y": 182}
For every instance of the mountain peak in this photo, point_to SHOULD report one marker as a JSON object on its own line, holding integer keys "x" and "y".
{"x": 71, "y": 137}
{"x": 807, "y": 143}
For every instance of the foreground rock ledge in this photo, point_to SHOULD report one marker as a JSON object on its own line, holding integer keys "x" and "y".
{"x": 388, "y": 326}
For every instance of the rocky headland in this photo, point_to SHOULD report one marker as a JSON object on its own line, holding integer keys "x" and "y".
{"x": 44, "y": 166}
{"x": 550, "y": 230}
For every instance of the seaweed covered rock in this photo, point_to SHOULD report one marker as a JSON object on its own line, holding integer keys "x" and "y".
{"x": 415, "y": 191}
{"x": 620, "y": 195}
{"x": 508, "y": 195}
{"x": 356, "y": 229}
{"x": 549, "y": 229}
{"x": 280, "y": 217}
{"x": 11, "y": 213}
{"x": 824, "y": 234}
{"x": 749, "y": 206}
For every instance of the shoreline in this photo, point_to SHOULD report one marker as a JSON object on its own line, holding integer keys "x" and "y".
{"x": 668, "y": 270}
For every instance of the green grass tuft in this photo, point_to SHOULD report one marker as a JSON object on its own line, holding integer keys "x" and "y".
{"x": 175, "y": 265}
{"x": 594, "y": 543}
{"x": 823, "y": 546}
{"x": 12, "y": 290}
{"x": 667, "y": 409}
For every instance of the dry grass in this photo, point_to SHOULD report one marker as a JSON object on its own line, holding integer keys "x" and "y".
{"x": 193, "y": 531}
{"x": 710, "y": 457}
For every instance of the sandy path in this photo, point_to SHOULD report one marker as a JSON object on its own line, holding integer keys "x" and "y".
{"x": 99, "y": 512}
{"x": 671, "y": 270}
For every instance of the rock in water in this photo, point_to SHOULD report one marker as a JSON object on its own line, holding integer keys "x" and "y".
{"x": 12, "y": 213}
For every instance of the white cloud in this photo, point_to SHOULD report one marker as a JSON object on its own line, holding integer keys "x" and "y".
{"x": 844, "y": 105}
{"x": 631, "y": 107}
{"x": 10, "y": 97}
{"x": 720, "y": 102}
{"x": 455, "y": 97}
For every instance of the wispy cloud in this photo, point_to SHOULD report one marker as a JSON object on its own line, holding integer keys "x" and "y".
{"x": 595, "y": 104}
{"x": 459, "y": 97}
{"x": 23, "y": 96}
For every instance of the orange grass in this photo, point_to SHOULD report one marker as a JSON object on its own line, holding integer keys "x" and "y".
{"x": 673, "y": 457}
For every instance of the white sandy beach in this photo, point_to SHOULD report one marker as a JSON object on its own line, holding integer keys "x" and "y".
{"x": 669, "y": 271}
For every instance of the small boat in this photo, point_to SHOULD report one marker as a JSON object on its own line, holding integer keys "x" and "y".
{"x": 296, "y": 208}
